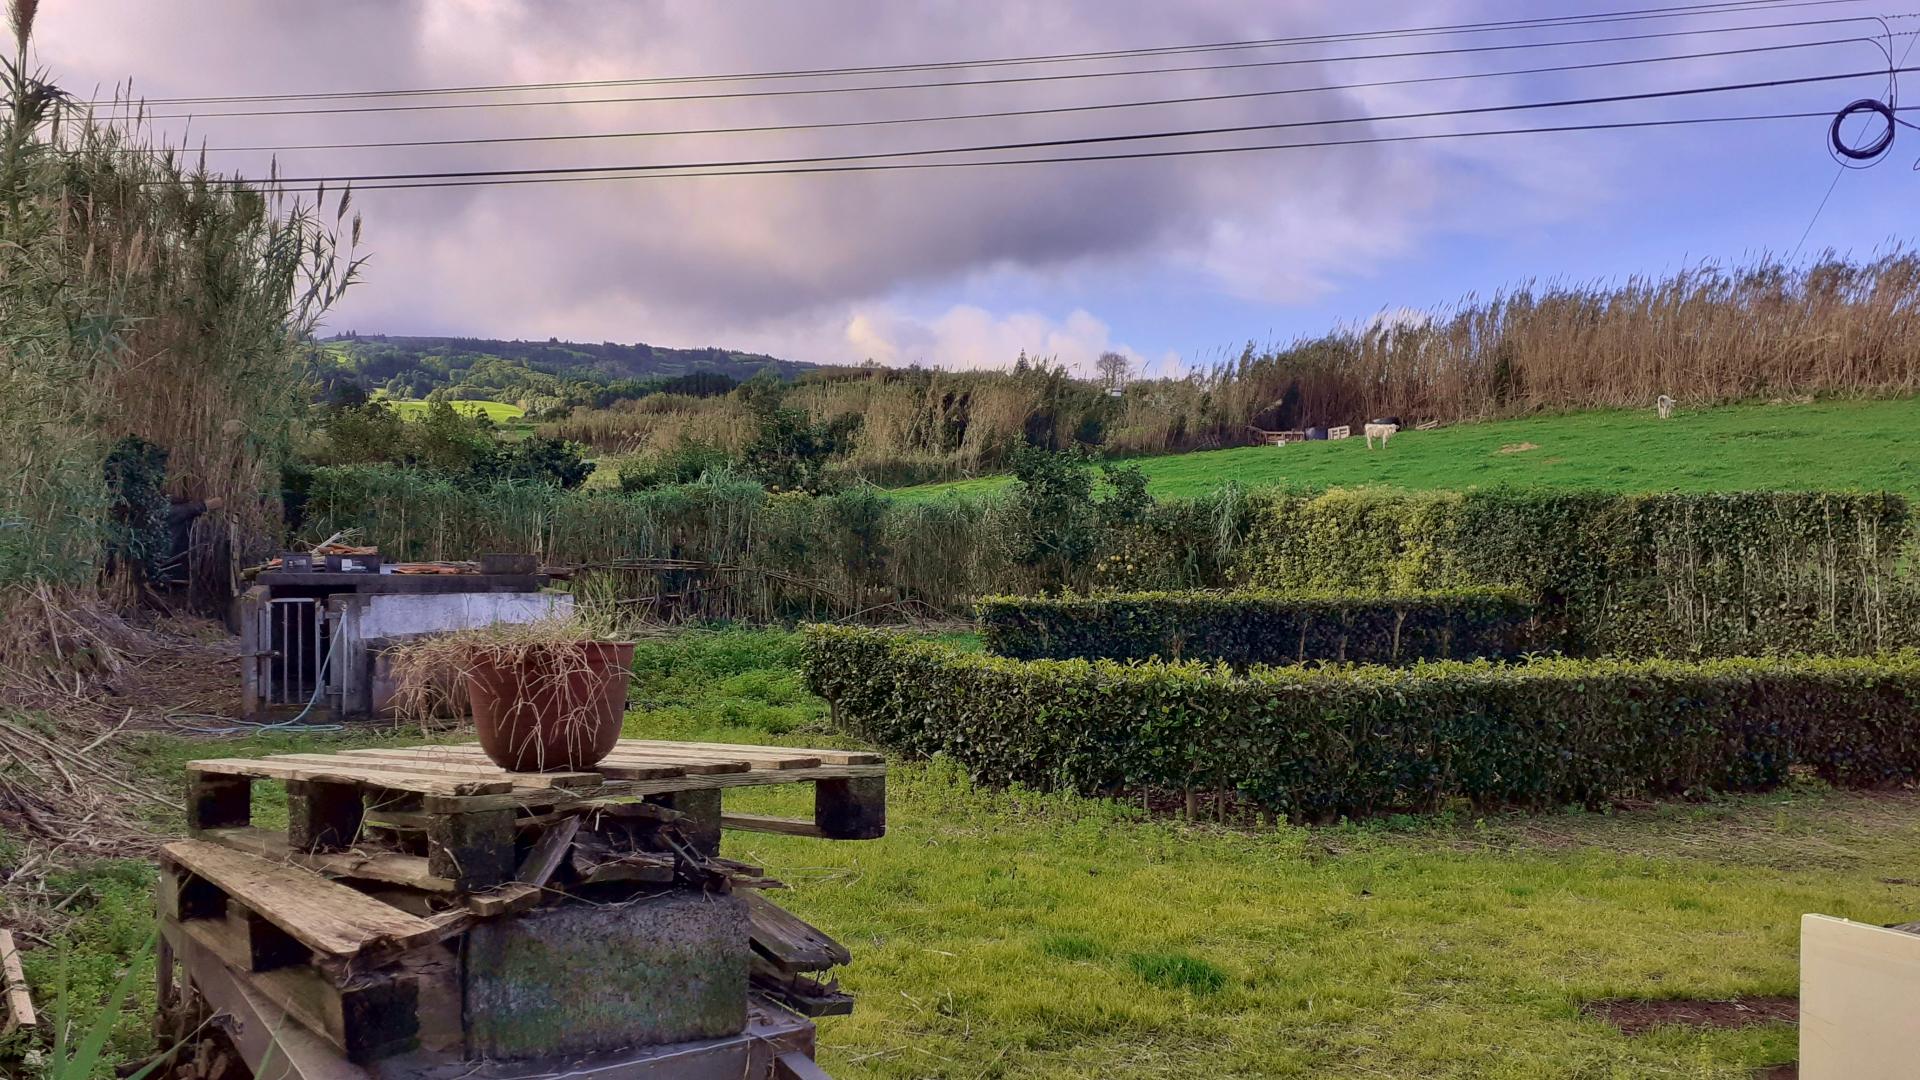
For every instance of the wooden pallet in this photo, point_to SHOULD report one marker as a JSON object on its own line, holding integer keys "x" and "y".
{"x": 463, "y": 813}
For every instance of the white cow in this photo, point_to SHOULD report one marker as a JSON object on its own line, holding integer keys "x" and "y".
{"x": 1381, "y": 430}
{"x": 1664, "y": 405}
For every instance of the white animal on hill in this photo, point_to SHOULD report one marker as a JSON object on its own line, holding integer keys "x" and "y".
{"x": 1382, "y": 430}
{"x": 1664, "y": 405}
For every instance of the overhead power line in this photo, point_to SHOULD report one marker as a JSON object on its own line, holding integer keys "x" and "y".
{"x": 1057, "y": 110}
{"x": 1023, "y": 79}
{"x": 1372, "y": 140}
{"x": 373, "y": 178}
{"x": 1727, "y": 7}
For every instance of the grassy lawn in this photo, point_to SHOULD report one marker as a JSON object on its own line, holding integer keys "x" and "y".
{"x": 1014, "y": 934}
{"x": 1871, "y": 445}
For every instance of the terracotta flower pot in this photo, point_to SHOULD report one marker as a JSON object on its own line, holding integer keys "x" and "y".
{"x": 552, "y": 708}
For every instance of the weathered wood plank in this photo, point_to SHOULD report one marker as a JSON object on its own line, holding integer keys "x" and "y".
{"x": 747, "y": 748}
{"x": 548, "y": 852}
{"x": 827, "y": 757}
{"x": 563, "y": 797}
{"x": 390, "y": 867}
{"x": 789, "y": 940}
{"x": 484, "y": 770}
{"x": 20, "y": 1012}
{"x": 756, "y": 760}
{"x": 759, "y": 823}
{"x": 418, "y": 783}
{"x": 326, "y": 917}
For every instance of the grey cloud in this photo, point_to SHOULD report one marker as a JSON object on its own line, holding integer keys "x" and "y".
{"x": 716, "y": 257}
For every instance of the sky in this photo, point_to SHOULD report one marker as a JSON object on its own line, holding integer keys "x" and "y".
{"x": 1176, "y": 262}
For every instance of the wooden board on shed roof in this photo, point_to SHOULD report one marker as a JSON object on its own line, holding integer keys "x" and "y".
{"x": 324, "y": 916}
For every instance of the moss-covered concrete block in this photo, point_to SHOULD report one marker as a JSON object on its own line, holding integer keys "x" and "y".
{"x": 580, "y": 978}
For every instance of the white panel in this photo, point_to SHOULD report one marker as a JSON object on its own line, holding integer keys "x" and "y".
{"x": 1859, "y": 1001}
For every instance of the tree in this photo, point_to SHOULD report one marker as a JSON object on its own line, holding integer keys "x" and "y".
{"x": 1115, "y": 370}
{"x": 1060, "y": 523}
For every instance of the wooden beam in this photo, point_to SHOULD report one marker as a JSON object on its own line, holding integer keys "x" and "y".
{"x": 758, "y": 823}
{"x": 392, "y": 762}
{"x": 323, "y": 816}
{"x": 564, "y": 797}
{"x": 390, "y": 867}
{"x": 548, "y": 852}
{"x": 851, "y": 809}
{"x": 217, "y": 801}
{"x": 827, "y": 757}
{"x": 474, "y": 849}
{"x": 789, "y": 940}
{"x": 19, "y": 1001}
{"x": 418, "y": 783}
{"x": 374, "y": 1017}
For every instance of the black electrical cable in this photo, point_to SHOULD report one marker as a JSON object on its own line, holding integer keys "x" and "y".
{"x": 1013, "y": 113}
{"x": 1049, "y": 143}
{"x": 1135, "y": 156}
{"x": 970, "y": 83}
{"x": 1730, "y": 7}
{"x": 1872, "y": 150}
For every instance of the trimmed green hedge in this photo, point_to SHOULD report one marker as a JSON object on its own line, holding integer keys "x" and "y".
{"x": 1263, "y": 628}
{"x": 1314, "y": 743}
{"x": 1739, "y": 574}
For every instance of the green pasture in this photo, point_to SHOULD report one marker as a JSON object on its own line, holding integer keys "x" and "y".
{"x": 1866, "y": 445}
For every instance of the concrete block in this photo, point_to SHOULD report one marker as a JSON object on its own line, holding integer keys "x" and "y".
{"x": 583, "y": 979}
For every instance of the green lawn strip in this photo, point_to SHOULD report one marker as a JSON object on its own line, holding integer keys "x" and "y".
{"x": 1867, "y": 445}
{"x": 1019, "y": 934}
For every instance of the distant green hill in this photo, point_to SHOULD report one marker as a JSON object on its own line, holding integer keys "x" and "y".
{"x": 1870, "y": 445}
{"x": 534, "y": 375}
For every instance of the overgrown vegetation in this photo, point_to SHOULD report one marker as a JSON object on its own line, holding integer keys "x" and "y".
{"x": 1706, "y": 334}
{"x": 1243, "y": 628}
{"x": 143, "y": 297}
{"x": 1367, "y": 739}
{"x": 465, "y": 447}
{"x": 543, "y": 378}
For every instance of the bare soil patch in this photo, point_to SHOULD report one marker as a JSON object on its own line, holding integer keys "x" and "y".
{"x": 1519, "y": 447}
{"x": 1639, "y": 1017}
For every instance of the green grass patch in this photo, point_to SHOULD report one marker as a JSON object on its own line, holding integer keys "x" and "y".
{"x": 1866, "y": 445}
{"x": 499, "y": 412}
{"x": 1178, "y": 971}
{"x": 1019, "y": 934}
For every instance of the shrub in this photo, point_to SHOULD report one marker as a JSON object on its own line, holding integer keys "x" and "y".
{"x": 1263, "y": 628}
{"x": 1315, "y": 743}
{"x": 683, "y": 464}
{"x": 1627, "y": 575}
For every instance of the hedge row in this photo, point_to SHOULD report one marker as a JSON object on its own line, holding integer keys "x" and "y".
{"x": 1754, "y": 573}
{"x": 1264, "y": 628}
{"x": 1314, "y": 743}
